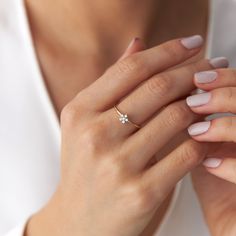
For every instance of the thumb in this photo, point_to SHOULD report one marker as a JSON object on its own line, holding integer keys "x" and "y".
{"x": 135, "y": 45}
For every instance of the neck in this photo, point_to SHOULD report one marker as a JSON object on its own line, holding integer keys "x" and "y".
{"x": 103, "y": 28}
{"x": 87, "y": 25}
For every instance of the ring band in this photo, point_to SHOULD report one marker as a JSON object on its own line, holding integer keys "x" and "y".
{"x": 123, "y": 118}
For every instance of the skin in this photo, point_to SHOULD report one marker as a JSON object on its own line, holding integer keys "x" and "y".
{"x": 219, "y": 210}
{"x": 83, "y": 51}
{"x": 85, "y": 59}
{"x": 54, "y": 48}
{"x": 119, "y": 157}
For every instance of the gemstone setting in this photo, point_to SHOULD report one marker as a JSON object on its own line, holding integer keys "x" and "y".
{"x": 124, "y": 118}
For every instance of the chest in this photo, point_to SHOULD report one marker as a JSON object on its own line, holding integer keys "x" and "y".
{"x": 67, "y": 74}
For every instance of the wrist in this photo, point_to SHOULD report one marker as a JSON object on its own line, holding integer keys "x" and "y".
{"x": 50, "y": 220}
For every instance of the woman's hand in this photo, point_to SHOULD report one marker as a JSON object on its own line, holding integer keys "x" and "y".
{"x": 106, "y": 187}
{"x": 217, "y": 196}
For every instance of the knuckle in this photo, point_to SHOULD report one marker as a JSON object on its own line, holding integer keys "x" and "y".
{"x": 129, "y": 64}
{"x": 73, "y": 110}
{"x": 68, "y": 114}
{"x": 178, "y": 114}
{"x": 192, "y": 153}
{"x": 111, "y": 168}
{"x": 144, "y": 200}
{"x": 139, "y": 198}
{"x": 93, "y": 138}
{"x": 172, "y": 50}
{"x": 159, "y": 85}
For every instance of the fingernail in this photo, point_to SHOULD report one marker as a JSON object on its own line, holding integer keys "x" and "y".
{"x": 199, "y": 128}
{"x": 198, "y": 99}
{"x": 192, "y": 42}
{"x": 197, "y": 91}
{"x": 212, "y": 162}
{"x": 219, "y": 62}
{"x": 132, "y": 42}
{"x": 205, "y": 77}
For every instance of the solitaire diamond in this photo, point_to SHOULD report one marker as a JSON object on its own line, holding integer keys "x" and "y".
{"x": 124, "y": 118}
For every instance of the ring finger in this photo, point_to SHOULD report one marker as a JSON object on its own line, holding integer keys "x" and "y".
{"x": 149, "y": 140}
{"x": 158, "y": 91}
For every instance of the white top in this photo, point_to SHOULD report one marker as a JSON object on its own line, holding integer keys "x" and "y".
{"x": 30, "y": 132}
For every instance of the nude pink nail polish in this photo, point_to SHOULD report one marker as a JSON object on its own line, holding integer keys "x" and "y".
{"x": 198, "y": 99}
{"x": 212, "y": 162}
{"x": 199, "y": 128}
{"x": 192, "y": 42}
{"x": 219, "y": 62}
{"x": 205, "y": 77}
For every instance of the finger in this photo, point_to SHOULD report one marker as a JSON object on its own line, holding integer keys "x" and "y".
{"x": 217, "y": 130}
{"x": 158, "y": 91}
{"x": 146, "y": 142}
{"x": 224, "y": 168}
{"x": 217, "y": 100}
{"x": 208, "y": 80}
{"x": 125, "y": 75}
{"x": 225, "y": 150}
{"x": 164, "y": 175}
{"x": 135, "y": 45}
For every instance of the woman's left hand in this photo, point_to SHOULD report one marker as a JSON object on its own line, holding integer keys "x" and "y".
{"x": 217, "y": 196}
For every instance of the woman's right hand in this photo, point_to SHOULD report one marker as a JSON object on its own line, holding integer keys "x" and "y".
{"x": 106, "y": 187}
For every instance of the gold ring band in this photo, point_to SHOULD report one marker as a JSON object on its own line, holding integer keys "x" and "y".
{"x": 124, "y": 118}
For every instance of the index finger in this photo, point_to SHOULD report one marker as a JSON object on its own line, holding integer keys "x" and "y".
{"x": 125, "y": 75}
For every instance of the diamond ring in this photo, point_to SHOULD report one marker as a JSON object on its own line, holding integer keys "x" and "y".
{"x": 123, "y": 118}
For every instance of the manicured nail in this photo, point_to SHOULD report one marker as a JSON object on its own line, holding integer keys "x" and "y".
{"x": 192, "y": 42}
{"x": 198, "y": 99}
{"x": 205, "y": 77}
{"x": 199, "y": 128}
{"x": 219, "y": 62}
{"x": 212, "y": 162}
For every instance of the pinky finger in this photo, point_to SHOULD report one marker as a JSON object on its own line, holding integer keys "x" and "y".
{"x": 223, "y": 168}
